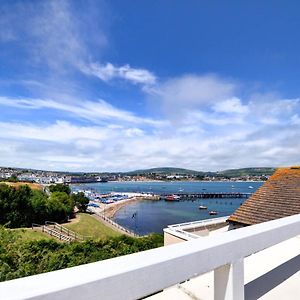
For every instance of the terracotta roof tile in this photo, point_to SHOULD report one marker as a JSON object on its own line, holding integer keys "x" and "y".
{"x": 276, "y": 198}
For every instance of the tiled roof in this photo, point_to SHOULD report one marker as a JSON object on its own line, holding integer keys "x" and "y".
{"x": 277, "y": 198}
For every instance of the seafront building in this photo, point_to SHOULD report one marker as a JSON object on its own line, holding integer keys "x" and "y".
{"x": 252, "y": 254}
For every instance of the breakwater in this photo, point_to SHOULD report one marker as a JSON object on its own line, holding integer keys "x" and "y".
{"x": 190, "y": 196}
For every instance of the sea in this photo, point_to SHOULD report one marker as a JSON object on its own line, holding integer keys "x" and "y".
{"x": 148, "y": 216}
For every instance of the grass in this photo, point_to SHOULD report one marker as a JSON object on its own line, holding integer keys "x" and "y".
{"x": 34, "y": 186}
{"x": 89, "y": 226}
{"x": 27, "y": 234}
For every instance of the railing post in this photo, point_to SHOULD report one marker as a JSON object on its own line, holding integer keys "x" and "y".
{"x": 229, "y": 281}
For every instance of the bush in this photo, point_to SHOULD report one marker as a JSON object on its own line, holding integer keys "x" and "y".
{"x": 19, "y": 258}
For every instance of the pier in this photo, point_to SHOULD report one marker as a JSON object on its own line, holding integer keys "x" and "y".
{"x": 188, "y": 196}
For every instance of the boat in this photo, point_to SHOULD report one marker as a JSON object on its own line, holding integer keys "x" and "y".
{"x": 213, "y": 212}
{"x": 102, "y": 179}
{"x": 181, "y": 190}
{"x": 250, "y": 187}
{"x": 172, "y": 198}
{"x": 202, "y": 207}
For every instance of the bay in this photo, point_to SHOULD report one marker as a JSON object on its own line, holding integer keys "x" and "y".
{"x": 147, "y": 216}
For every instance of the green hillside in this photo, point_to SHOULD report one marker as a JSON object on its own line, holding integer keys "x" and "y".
{"x": 247, "y": 171}
{"x": 164, "y": 170}
{"x": 228, "y": 173}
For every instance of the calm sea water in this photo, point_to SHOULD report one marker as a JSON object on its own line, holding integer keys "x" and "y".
{"x": 153, "y": 216}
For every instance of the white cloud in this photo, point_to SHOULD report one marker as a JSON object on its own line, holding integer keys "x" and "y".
{"x": 108, "y": 72}
{"x": 178, "y": 97}
{"x": 213, "y": 130}
{"x": 193, "y": 90}
{"x": 66, "y": 146}
{"x": 59, "y": 132}
{"x": 232, "y": 105}
{"x": 212, "y": 126}
{"x": 295, "y": 119}
{"x": 95, "y": 111}
{"x": 53, "y": 33}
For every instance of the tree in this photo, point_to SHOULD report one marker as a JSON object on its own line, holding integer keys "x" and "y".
{"x": 13, "y": 178}
{"x": 60, "y": 206}
{"x": 22, "y": 206}
{"x": 60, "y": 188}
{"x": 81, "y": 201}
{"x": 39, "y": 206}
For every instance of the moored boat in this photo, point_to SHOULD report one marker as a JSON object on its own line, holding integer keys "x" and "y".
{"x": 202, "y": 207}
{"x": 172, "y": 198}
{"x": 213, "y": 212}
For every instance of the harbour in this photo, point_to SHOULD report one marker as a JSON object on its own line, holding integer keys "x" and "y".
{"x": 144, "y": 215}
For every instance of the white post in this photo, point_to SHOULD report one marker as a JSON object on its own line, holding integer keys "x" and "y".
{"x": 229, "y": 281}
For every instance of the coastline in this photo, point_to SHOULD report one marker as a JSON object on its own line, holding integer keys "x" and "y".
{"x": 169, "y": 181}
{"x": 109, "y": 210}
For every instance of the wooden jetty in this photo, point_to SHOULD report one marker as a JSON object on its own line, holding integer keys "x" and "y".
{"x": 187, "y": 196}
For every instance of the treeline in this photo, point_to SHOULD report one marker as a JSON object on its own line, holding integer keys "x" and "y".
{"x": 20, "y": 258}
{"x": 22, "y": 206}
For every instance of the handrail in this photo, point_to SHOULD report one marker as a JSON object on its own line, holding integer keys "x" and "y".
{"x": 130, "y": 232}
{"x": 67, "y": 231}
{"x": 59, "y": 231}
{"x": 141, "y": 274}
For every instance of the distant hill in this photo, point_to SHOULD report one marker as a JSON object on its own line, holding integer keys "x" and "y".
{"x": 247, "y": 171}
{"x": 229, "y": 173}
{"x": 169, "y": 170}
{"x": 165, "y": 170}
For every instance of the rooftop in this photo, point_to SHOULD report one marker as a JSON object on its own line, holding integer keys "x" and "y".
{"x": 277, "y": 198}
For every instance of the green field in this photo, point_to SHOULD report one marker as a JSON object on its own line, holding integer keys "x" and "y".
{"x": 27, "y": 234}
{"x": 89, "y": 226}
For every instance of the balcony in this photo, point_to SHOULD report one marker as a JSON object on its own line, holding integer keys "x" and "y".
{"x": 178, "y": 233}
{"x": 248, "y": 263}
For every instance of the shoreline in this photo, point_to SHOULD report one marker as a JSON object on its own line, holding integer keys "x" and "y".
{"x": 112, "y": 209}
{"x": 171, "y": 181}
{"x": 109, "y": 210}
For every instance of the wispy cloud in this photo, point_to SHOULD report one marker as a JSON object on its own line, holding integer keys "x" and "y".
{"x": 199, "y": 121}
{"x": 109, "y": 72}
{"x": 260, "y": 130}
{"x": 64, "y": 145}
{"x": 95, "y": 111}
{"x": 177, "y": 96}
{"x": 231, "y": 105}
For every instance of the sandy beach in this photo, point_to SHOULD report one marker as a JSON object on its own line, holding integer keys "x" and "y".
{"x": 109, "y": 210}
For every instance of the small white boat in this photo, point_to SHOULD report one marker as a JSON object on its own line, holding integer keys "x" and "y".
{"x": 181, "y": 190}
{"x": 250, "y": 187}
{"x": 202, "y": 207}
{"x": 213, "y": 213}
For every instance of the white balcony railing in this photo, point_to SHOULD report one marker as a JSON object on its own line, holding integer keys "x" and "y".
{"x": 141, "y": 274}
{"x": 181, "y": 229}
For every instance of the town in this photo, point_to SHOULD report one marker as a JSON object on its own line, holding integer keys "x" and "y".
{"x": 157, "y": 174}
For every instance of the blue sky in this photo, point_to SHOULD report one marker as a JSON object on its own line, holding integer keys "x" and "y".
{"x": 121, "y": 85}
